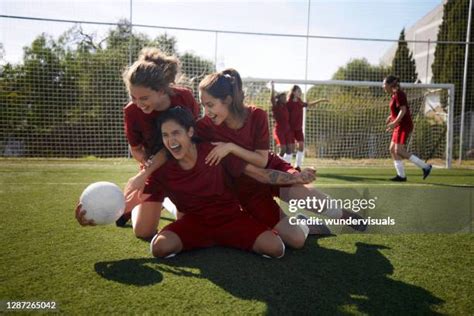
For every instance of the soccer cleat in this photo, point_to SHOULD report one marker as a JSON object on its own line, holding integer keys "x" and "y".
{"x": 123, "y": 220}
{"x": 315, "y": 229}
{"x": 399, "y": 179}
{"x": 427, "y": 171}
{"x": 298, "y": 169}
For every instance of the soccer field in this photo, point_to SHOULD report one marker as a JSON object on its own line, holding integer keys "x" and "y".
{"x": 47, "y": 256}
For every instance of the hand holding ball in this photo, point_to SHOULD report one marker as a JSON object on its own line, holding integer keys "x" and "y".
{"x": 103, "y": 202}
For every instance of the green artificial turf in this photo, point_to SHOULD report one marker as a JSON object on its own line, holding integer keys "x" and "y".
{"x": 47, "y": 256}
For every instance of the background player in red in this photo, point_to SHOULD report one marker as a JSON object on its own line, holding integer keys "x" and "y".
{"x": 212, "y": 214}
{"x": 281, "y": 130}
{"x": 400, "y": 123}
{"x": 295, "y": 109}
{"x": 151, "y": 83}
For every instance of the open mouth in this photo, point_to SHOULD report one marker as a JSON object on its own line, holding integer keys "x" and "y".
{"x": 175, "y": 148}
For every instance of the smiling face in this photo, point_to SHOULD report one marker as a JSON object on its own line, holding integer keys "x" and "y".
{"x": 214, "y": 108}
{"x": 149, "y": 100}
{"x": 176, "y": 139}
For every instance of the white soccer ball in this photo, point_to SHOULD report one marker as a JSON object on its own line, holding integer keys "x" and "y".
{"x": 103, "y": 201}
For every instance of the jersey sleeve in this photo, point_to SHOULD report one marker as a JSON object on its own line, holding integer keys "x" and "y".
{"x": 203, "y": 130}
{"x": 401, "y": 100}
{"x": 261, "y": 134}
{"x": 134, "y": 137}
{"x": 234, "y": 165}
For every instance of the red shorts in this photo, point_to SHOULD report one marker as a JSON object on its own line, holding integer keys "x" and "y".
{"x": 263, "y": 208}
{"x": 282, "y": 137}
{"x": 400, "y": 134}
{"x": 297, "y": 136}
{"x": 239, "y": 231}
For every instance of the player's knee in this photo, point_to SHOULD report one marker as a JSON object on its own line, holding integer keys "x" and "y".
{"x": 269, "y": 244}
{"x": 296, "y": 239}
{"x": 144, "y": 232}
{"x": 162, "y": 247}
{"x": 276, "y": 248}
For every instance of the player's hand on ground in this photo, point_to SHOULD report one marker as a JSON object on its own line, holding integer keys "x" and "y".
{"x": 81, "y": 216}
{"x": 307, "y": 175}
{"x": 218, "y": 153}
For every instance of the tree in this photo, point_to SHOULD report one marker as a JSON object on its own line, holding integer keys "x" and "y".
{"x": 67, "y": 95}
{"x": 448, "y": 62}
{"x": 403, "y": 64}
{"x": 361, "y": 70}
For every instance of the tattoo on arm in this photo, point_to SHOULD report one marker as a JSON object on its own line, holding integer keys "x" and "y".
{"x": 278, "y": 177}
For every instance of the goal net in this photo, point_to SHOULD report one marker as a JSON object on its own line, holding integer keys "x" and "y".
{"x": 352, "y": 123}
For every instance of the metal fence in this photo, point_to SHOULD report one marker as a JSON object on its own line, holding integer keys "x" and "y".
{"x": 59, "y": 103}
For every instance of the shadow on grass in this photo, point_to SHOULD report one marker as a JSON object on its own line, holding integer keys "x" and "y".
{"x": 312, "y": 280}
{"x": 368, "y": 179}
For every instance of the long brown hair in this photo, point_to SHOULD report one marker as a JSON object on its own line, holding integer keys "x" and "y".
{"x": 291, "y": 95}
{"x": 226, "y": 83}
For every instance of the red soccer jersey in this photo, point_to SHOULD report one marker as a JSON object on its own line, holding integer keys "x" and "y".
{"x": 295, "y": 110}
{"x": 253, "y": 135}
{"x": 282, "y": 117}
{"x": 140, "y": 127}
{"x": 398, "y": 100}
{"x": 203, "y": 190}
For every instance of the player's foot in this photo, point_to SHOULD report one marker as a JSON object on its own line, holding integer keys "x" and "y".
{"x": 360, "y": 226}
{"x": 427, "y": 171}
{"x": 399, "y": 179}
{"x": 122, "y": 221}
{"x": 315, "y": 229}
{"x": 298, "y": 168}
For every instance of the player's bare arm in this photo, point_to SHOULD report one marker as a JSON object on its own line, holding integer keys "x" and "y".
{"x": 258, "y": 157}
{"x": 137, "y": 182}
{"x": 276, "y": 177}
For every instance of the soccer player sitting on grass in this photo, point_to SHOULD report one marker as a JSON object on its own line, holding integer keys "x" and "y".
{"x": 241, "y": 129}
{"x": 212, "y": 213}
{"x": 400, "y": 124}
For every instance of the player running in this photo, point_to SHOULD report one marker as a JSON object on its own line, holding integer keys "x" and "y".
{"x": 400, "y": 124}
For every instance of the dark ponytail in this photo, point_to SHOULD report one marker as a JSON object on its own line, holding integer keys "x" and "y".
{"x": 392, "y": 80}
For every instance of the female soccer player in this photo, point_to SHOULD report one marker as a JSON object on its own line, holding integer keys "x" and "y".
{"x": 212, "y": 214}
{"x": 151, "y": 84}
{"x": 281, "y": 131}
{"x": 295, "y": 109}
{"x": 243, "y": 131}
{"x": 400, "y": 123}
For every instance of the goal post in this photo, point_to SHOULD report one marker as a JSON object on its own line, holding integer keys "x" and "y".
{"x": 352, "y": 124}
